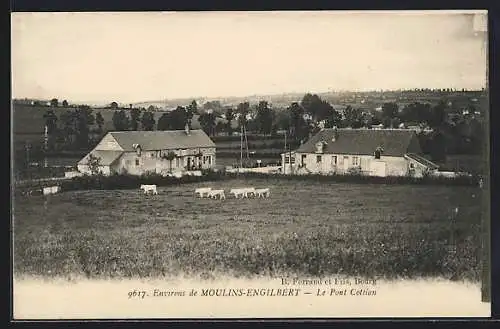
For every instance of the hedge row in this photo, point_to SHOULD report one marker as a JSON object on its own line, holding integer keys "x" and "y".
{"x": 126, "y": 181}
{"x": 132, "y": 182}
{"x": 363, "y": 179}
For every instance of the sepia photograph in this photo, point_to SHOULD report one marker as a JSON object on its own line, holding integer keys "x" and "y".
{"x": 260, "y": 164}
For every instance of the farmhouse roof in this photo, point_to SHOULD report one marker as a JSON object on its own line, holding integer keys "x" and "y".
{"x": 394, "y": 142}
{"x": 159, "y": 140}
{"x": 106, "y": 157}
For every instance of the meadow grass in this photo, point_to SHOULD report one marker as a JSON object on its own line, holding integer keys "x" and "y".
{"x": 305, "y": 228}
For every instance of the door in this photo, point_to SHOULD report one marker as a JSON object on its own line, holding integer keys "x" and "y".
{"x": 333, "y": 165}
{"x": 346, "y": 163}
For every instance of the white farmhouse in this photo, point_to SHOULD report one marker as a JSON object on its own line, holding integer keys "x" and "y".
{"x": 375, "y": 152}
{"x": 140, "y": 152}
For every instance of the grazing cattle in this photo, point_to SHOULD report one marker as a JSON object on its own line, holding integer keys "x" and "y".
{"x": 217, "y": 193}
{"x": 242, "y": 191}
{"x": 203, "y": 190}
{"x": 263, "y": 192}
{"x": 249, "y": 190}
{"x": 237, "y": 191}
{"x": 51, "y": 190}
{"x": 149, "y": 188}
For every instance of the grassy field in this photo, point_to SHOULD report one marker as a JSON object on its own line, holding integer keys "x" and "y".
{"x": 307, "y": 228}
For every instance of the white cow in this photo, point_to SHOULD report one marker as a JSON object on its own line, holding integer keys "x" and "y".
{"x": 51, "y": 190}
{"x": 215, "y": 193}
{"x": 203, "y": 190}
{"x": 263, "y": 192}
{"x": 149, "y": 188}
{"x": 249, "y": 190}
{"x": 242, "y": 191}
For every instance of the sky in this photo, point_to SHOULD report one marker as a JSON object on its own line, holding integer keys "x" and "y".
{"x": 133, "y": 57}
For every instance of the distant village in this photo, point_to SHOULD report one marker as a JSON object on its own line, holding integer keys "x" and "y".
{"x": 440, "y": 121}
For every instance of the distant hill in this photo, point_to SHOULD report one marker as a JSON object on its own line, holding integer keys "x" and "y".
{"x": 362, "y": 99}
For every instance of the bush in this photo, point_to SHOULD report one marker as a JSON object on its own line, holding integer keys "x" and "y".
{"x": 126, "y": 181}
{"x": 362, "y": 179}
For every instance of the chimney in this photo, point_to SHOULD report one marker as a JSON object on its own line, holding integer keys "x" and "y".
{"x": 335, "y": 134}
{"x": 186, "y": 128}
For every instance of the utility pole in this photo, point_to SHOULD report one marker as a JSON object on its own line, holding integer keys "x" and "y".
{"x": 46, "y": 146}
{"x": 241, "y": 147}
{"x": 27, "y": 148}
{"x": 290, "y": 158}
{"x": 284, "y": 158}
{"x": 246, "y": 142}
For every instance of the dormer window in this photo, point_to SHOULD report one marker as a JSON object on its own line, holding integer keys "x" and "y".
{"x": 137, "y": 149}
{"x": 319, "y": 147}
{"x": 378, "y": 152}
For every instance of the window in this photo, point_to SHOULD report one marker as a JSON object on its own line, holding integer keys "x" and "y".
{"x": 318, "y": 158}
{"x": 209, "y": 159}
{"x": 412, "y": 166}
{"x": 334, "y": 159}
{"x": 355, "y": 161}
{"x": 303, "y": 159}
{"x": 136, "y": 162}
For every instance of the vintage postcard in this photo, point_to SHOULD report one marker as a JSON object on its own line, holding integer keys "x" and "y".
{"x": 201, "y": 165}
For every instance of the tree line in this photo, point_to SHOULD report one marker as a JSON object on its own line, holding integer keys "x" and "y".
{"x": 300, "y": 120}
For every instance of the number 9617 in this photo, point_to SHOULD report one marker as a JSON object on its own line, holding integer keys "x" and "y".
{"x": 136, "y": 294}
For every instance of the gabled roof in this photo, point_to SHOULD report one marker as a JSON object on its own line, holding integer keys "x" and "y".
{"x": 422, "y": 160}
{"x": 106, "y": 157}
{"x": 395, "y": 142}
{"x": 160, "y": 140}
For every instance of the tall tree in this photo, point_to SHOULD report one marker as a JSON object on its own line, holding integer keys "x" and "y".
{"x": 229, "y": 119}
{"x": 120, "y": 120}
{"x": 68, "y": 120}
{"x": 207, "y": 122}
{"x": 135, "y": 117}
{"x": 148, "y": 121}
{"x": 174, "y": 120}
{"x": 114, "y": 105}
{"x": 54, "y": 102}
{"x": 390, "y": 110}
{"x": 415, "y": 113}
{"x": 213, "y": 106}
{"x": 99, "y": 120}
{"x": 264, "y": 118}
{"x": 437, "y": 116}
{"x": 316, "y": 107}
{"x": 192, "y": 108}
{"x": 334, "y": 119}
{"x": 243, "y": 110}
{"x": 283, "y": 120}
{"x": 163, "y": 122}
{"x": 65, "y": 103}
{"x": 178, "y": 118}
{"x": 353, "y": 117}
{"x": 84, "y": 119}
{"x": 299, "y": 127}
{"x": 51, "y": 123}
